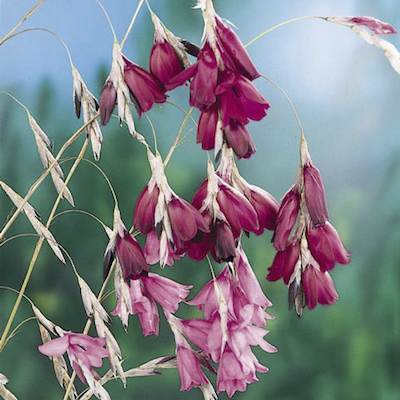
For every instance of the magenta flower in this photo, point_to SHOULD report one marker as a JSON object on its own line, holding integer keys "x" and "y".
{"x": 318, "y": 287}
{"x": 130, "y": 256}
{"x": 231, "y": 44}
{"x": 315, "y": 194}
{"x": 207, "y": 127}
{"x": 84, "y": 352}
{"x": 286, "y": 219}
{"x": 238, "y": 138}
{"x": 204, "y": 75}
{"x": 164, "y": 61}
{"x": 239, "y": 99}
{"x": 143, "y": 218}
{"x": 145, "y": 293}
{"x": 326, "y": 247}
{"x": 144, "y": 88}
{"x": 108, "y": 99}
{"x": 284, "y": 263}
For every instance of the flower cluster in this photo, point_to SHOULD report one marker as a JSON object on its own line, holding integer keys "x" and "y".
{"x": 307, "y": 245}
{"x": 221, "y": 88}
{"x": 234, "y": 308}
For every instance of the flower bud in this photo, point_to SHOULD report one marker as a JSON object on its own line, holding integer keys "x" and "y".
{"x": 108, "y": 99}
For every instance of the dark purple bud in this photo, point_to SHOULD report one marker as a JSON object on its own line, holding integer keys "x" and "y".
{"x": 78, "y": 105}
{"x": 286, "y": 219}
{"x": 108, "y": 99}
{"x": 207, "y": 127}
{"x": 144, "y": 88}
{"x": 191, "y": 48}
{"x": 326, "y": 247}
{"x": 143, "y": 218}
{"x": 284, "y": 262}
{"x": 315, "y": 195}
{"x": 318, "y": 287}
{"x": 164, "y": 61}
{"x": 225, "y": 246}
{"x": 109, "y": 257}
{"x": 231, "y": 43}
{"x": 130, "y": 257}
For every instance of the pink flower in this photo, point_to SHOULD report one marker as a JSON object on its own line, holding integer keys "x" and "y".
{"x": 189, "y": 368}
{"x": 164, "y": 61}
{"x": 108, "y": 99}
{"x": 204, "y": 75}
{"x": 84, "y": 352}
{"x": 130, "y": 256}
{"x": 326, "y": 247}
{"x": 286, "y": 218}
{"x": 314, "y": 192}
{"x": 231, "y": 44}
{"x": 318, "y": 287}
{"x": 144, "y": 88}
{"x": 225, "y": 246}
{"x": 148, "y": 291}
{"x": 143, "y": 218}
{"x": 375, "y": 25}
{"x": 152, "y": 250}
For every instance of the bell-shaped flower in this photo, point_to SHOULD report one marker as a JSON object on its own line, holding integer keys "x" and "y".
{"x": 85, "y": 353}
{"x": 203, "y": 75}
{"x": 167, "y": 56}
{"x": 144, "y": 88}
{"x": 230, "y": 43}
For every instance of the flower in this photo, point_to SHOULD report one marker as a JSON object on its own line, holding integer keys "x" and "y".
{"x": 145, "y": 293}
{"x": 204, "y": 75}
{"x": 167, "y": 56}
{"x": 126, "y": 248}
{"x": 375, "y": 25}
{"x": 231, "y": 44}
{"x": 144, "y": 88}
{"x": 84, "y": 352}
{"x": 159, "y": 209}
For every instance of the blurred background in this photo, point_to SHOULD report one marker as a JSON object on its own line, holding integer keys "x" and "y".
{"x": 348, "y": 99}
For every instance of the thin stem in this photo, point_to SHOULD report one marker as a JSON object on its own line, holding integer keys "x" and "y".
{"x": 80, "y": 212}
{"x": 283, "y": 23}
{"x": 131, "y": 23}
{"x": 15, "y": 330}
{"x": 87, "y": 327}
{"x": 41, "y": 178}
{"x": 38, "y": 247}
{"x": 18, "y": 236}
{"x": 108, "y": 19}
{"x": 180, "y": 108}
{"x": 26, "y": 16}
{"x": 56, "y": 35}
{"x": 178, "y": 136}
{"x": 290, "y": 101}
{"x": 153, "y": 131}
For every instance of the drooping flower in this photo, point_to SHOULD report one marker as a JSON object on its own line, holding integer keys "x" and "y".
{"x": 84, "y": 352}
{"x": 307, "y": 244}
{"x": 126, "y": 249}
{"x": 144, "y": 88}
{"x": 231, "y": 44}
{"x": 375, "y": 25}
{"x": 167, "y": 56}
{"x": 159, "y": 211}
{"x": 145, "y": 293}
{"x": 203, "y": 75}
